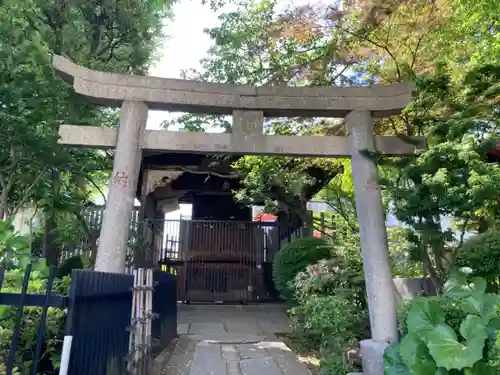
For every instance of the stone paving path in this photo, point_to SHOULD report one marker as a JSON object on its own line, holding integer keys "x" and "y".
{"x": 232, "y": 340}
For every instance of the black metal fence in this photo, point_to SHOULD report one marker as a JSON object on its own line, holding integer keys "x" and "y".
{"x": 164, "y": 327}
{"x": 99, "y": 314}
{"x": 96, "y": 335}
{"x": 21, "y": 301}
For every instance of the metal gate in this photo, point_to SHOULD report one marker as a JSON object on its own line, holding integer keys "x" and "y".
{"x": 220, "y": 261}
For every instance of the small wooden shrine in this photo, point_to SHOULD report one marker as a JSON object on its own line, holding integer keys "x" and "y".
{"x": 219, "y": 253}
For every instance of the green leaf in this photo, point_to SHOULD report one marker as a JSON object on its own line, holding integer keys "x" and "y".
{"x": 477, "y": 285}
{"x": 480, "y": 368}
{"x": 18, "y": 243}
{"x": 494, "y": 324}
{"x": 424, "y": 315}
{"x": 55, "y": 358}
{"x": 393, "y": 363}
{"x": 473, "y": 330}
{"x": 456, "y": 284}
{"x": 483, "y": 305}
{"x": 416, "y": 356}
{"x": 449, "y": 353}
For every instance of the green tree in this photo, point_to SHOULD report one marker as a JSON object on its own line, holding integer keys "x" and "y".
{"x": 108, "y": 35}
{"x": 453, "y": 177}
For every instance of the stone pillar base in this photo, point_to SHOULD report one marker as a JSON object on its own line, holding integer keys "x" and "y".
{"x": 372, "y": 357}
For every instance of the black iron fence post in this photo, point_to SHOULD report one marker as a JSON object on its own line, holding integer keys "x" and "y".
{"x": 19, "y": 317}
{"x": 43, "y": 318}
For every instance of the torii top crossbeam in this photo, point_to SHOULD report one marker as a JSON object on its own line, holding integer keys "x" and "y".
{"x": 112, "y": 89}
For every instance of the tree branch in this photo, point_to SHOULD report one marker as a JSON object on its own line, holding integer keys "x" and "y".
{"x": 89, "y": 179}
{"x": 209, "y": 173}
{"x": 27, "y": 193}
{"x": 376, "y": 44}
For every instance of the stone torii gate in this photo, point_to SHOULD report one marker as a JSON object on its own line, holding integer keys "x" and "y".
{"x": 248, "y": 105}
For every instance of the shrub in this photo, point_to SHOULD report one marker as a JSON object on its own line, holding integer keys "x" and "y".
{"x": 15, "y": 255}
{"x": 305, "y": 339}
{"x": 482, "y": 254}
{"x": 332, "y": 364}
{"x": 331, "y": 277}
{"x": 317, "y": 279}
{"x": 337, "y": 324}
{"x": 295, "y": 257}
{"x": 453, "y": 333}
{"x": 331, "y": 316}
{"x": 335, "y": 318}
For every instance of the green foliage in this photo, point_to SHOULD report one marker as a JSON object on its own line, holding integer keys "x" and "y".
{"x": 328, "y": 316}
{"x": 73, "y": 263}
{"x": 118, "y": 36}
{"x": 335, "y": 276}
{"x": 400, "y": 252}
{"x": 294, "y": 258}
{"x": 453, "y": 177}
{"x": 331, "y": 313}
{"x": 334, "y": 364}
{"x": 337, "y": 322}
{"x": 13, "y": 248}
{"x": 482, "y": 254}
{"x": 453, "y": 333}
{"x": 54, "y": 327}
{"x": 15, "y": 254}
{"x": 331, "y": 325}
{"x": 335, "y": 280}
{"x": 282, "y": 184}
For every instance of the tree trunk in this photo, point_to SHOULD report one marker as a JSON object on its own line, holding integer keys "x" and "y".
{"x": 483, "y": 225}
{"x": 50, "y": 245}
{"x": 436, "y": 280}
{"x": 3, "y": 206}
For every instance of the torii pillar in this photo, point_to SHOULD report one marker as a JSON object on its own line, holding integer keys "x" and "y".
{"x": 112, "y": 250}
{"x": 248, "y": 105}
{"x": 376, "y": 266}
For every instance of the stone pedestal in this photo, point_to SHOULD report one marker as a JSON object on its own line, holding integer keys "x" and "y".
{"x": 112, "y": 248}
{"x": 378, "y": 273}
{"x": 372, "y": 357}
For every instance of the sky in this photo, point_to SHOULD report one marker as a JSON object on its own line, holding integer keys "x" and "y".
{"x": 185, "y": 45}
